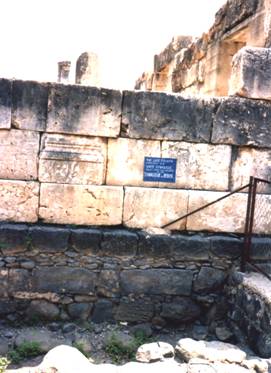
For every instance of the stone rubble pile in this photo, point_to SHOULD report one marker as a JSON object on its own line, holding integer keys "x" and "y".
{"x": 189, "y": 356}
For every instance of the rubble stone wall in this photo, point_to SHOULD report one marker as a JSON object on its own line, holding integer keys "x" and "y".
{"x": 74, "y": 155}
{"x": 52, "y": 272}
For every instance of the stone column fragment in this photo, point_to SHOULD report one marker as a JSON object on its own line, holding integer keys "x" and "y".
{"x": 88, "y": 69}
{"x": 72, "y": 159}
{"x": 63, "y": 71}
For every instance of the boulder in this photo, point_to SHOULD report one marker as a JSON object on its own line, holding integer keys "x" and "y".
{"x": 156, "y": 351}
{"x": 188, "y": 348}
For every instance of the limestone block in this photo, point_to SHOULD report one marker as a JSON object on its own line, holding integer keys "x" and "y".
{"x": 251, "y": 162}
{"x": 251, "y": 73}
{"x": 157, "y": 281}
{"x": 5, "y": 103}
{"x": 81, "y": 204}
{"x": 199, "y": 166}
{"x": 262, "y": 222}
{"x": 19, "y": 154}
{"x": 29, "y": 105}
{"x": 227, "y": 215}
{"x": 72, "y": 159}
{"x": 152, "y": 115}
{"x": 126, "y": 161}
{"x": 84, "y": 110}
{"x": 240, "y": 121}
{"x": 150, "y": 207}
{"x": 19, "y": 201}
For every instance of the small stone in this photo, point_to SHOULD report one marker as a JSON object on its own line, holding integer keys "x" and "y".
{"x": 142, "y": 330}
{"x": 199, "y": 332}
{"x": 54, "y": 327}
{"x": 69, "y": 327}
{"x": 151, "y": 352}
{"x": 29, "y": 264}
{"x": 223, "y": 334}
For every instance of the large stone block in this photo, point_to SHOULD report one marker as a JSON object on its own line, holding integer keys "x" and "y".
{"x": 49, "y": 239}
{"x": 84, "y": 110}
{"x": 209, "y": 279}
{"x": 19, "y": 201}
{"x": 19, "y": 280}
{"x": 126, "y": 161}
{"x": 150, "y": 207}
{"x": 86, "y": 240}
{"x": 251, "y": 162}
{"x": 251, "y": 73}
{"x": 19, "y": 154}
{"x": 174, "y": 247}
{"x": 226, "y": 246}
{"x": 223, "y": 216}
{"x": 151, "y": 115}
{"x": 29, "y": 105}
{"x": 119, "y": 243}
{"x": 72, "y": 159}
{"x": 240, "y": 121}
{"x": 81, "y": 204}
{"x": 156, "y": 281}
{"x": 64, "y": 280}
{"x": 199, "y": 166}
{"x": 5, "y": 103}
{"x": 13, "y": 238}
{"x": 134, "y": 311}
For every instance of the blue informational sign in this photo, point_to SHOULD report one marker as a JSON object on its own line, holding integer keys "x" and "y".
{"x": 160, "y": 169}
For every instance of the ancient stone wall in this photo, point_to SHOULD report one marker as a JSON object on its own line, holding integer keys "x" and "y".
{"x": 203, "y": 66}
{"x": 74, "y": 155}
{"x": 51, "y": 272}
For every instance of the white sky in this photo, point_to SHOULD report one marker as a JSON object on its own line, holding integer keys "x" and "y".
{"x": 36, "y": 34}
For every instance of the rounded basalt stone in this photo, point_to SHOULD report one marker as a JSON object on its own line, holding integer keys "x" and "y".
{"x": 80, "y": 311}
{"x": 42, "y": 310}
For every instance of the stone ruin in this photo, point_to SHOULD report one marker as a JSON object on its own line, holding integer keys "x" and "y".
{"x": 203, "y": 66}
{"x": 80, "y": 233}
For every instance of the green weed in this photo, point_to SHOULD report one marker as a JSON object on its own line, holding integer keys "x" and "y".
{"x": 4, "y": 362}
{"x": 25, "y": 350}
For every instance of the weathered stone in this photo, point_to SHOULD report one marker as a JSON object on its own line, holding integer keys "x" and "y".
{"x": 151, "y": 207}
{"x": 19, "y": 154}
{"x": 177, "y": 247}
{"x": 240, "y": 121}
{"x": 29, "y": 105}
{"x": 226, "y": 247}
{"x": 4, "y": 347}
{"x": 4, "y": 283}
{"x": 251, "y": 73}
{"x": 185, "y": 310}
{"x": 251, "y": 162}
{"x": 63, "y": 71}
{"x": 13, "y": 238}
{"x": 88, "y": 69}
{"x": 80, "y": 311}
{"x": 261, "y": 248}
{"x": 221, "y": 216}
{"x": 103, "y": 311}
{"x": 86, "y": 240}
{"x": 126, "y": 161}
{"x": 119, "y": 243}
{"x": 187, "y": 349}
{"x": 48, "y": 239}
{"x": 19, "y": 201}
{"x": 199, "y": 166}
{"x": 81, "y": 204}
{"x": 64, "y": 280}
{"x": 224, "y": 334}
{"x": 137, "y": 311}
{"x": 209, "y": 279}
{"x": 169, "y": 365}
{"x": 5, "y": 103}
{"x": 45, "y": 339}
{"x": 144, "y": 329}
{"x": 150, "y": 115}
{"x": 42, "y": 310}
{"x": 19, "y": 280}
{"x": 84, "y": 110}
{"x": 156, "y": 351}
{"x": 72, "y": 159}
{"x": 108, "y": 284}
{"x": 156, "y": 281}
